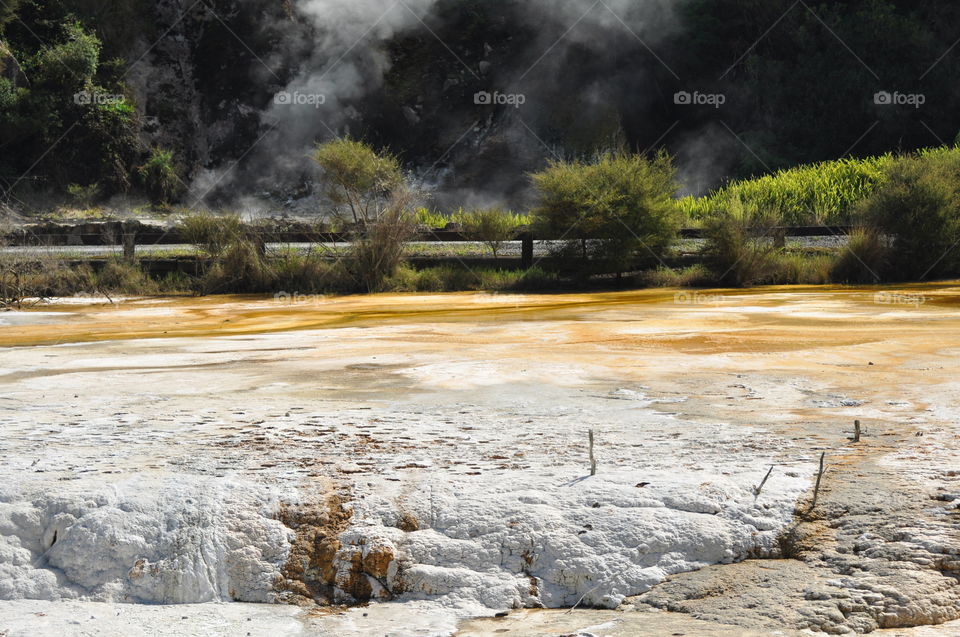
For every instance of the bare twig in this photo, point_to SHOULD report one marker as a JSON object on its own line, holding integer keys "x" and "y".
{"x": 593, "y": 460}
{"x": 758, "y": 488}
{"x": 856, "y": 431}
{"x": 582, "y": 597}
{"x": 816, "y": 489}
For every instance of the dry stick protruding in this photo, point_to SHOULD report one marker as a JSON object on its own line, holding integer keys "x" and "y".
{"x": 593, "y": 460}
{"x": 856, "y": 431}
{"x": 757, "y": 489}
{"x": 816, "y": 489}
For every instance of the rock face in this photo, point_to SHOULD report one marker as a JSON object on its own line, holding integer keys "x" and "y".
{"x": 10, "y": 68}
{"x": 878, "y": 551}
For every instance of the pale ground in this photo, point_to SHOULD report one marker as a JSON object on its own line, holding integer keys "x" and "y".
{"x": 174, "y": 451}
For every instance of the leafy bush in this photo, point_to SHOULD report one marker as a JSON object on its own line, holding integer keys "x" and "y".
{"x": 358, "y": 181}
{"x": 158, "y": 175}
{"x": 919, "y": 206}
{"x": 610, "y": 209}
{"x": 69, "y": 66}
{"x": 492, "y": 226}
{"x": 84, "y": 196}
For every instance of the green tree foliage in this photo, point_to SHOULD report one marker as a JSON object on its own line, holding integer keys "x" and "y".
{"x": 71, "y": 64}
{"x": 919, "y": 206}
{"x": 492, "y": 226}
{"x": 8, "y": 12}
{"x": 358, "y": 181}
{"x": 609, "y": 210}
{"x": 72, "y": 122}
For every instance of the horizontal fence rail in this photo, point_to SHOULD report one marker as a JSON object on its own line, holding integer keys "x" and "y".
{"x": 131, "y": 234}
{"x": 115, "y": 233}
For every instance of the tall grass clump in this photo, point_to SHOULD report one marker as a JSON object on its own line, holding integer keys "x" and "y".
{"x": 122, "y": 277}
{"x": 823, "y": 193}
{"x": 866, "y": 258}
{"x": 158, "y": 176}
{"x": 739, "y": 243}
{"x": 237, "y": 262}
{"x": 378, "y": 252}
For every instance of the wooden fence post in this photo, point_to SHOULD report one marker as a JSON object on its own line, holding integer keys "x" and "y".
{"x": 526, "y": 251}
{"x": 129, "y": 234}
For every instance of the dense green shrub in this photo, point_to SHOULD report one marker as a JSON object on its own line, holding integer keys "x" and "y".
{"x": 610, "y": 209}
{"x": 919, "y": 206}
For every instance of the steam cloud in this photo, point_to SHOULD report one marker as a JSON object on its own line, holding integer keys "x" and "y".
{"x": 344, "y": 59}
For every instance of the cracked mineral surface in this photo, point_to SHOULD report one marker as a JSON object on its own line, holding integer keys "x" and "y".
{"x": 428, "y": 455}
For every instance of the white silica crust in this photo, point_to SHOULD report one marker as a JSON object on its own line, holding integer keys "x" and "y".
{"x": 531, "y": 540}
{"x": 177, "y": 540}
{"x": 494, "y": 529}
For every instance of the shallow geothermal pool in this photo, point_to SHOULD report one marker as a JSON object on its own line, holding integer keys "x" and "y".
{"x": 428, "y": 454}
